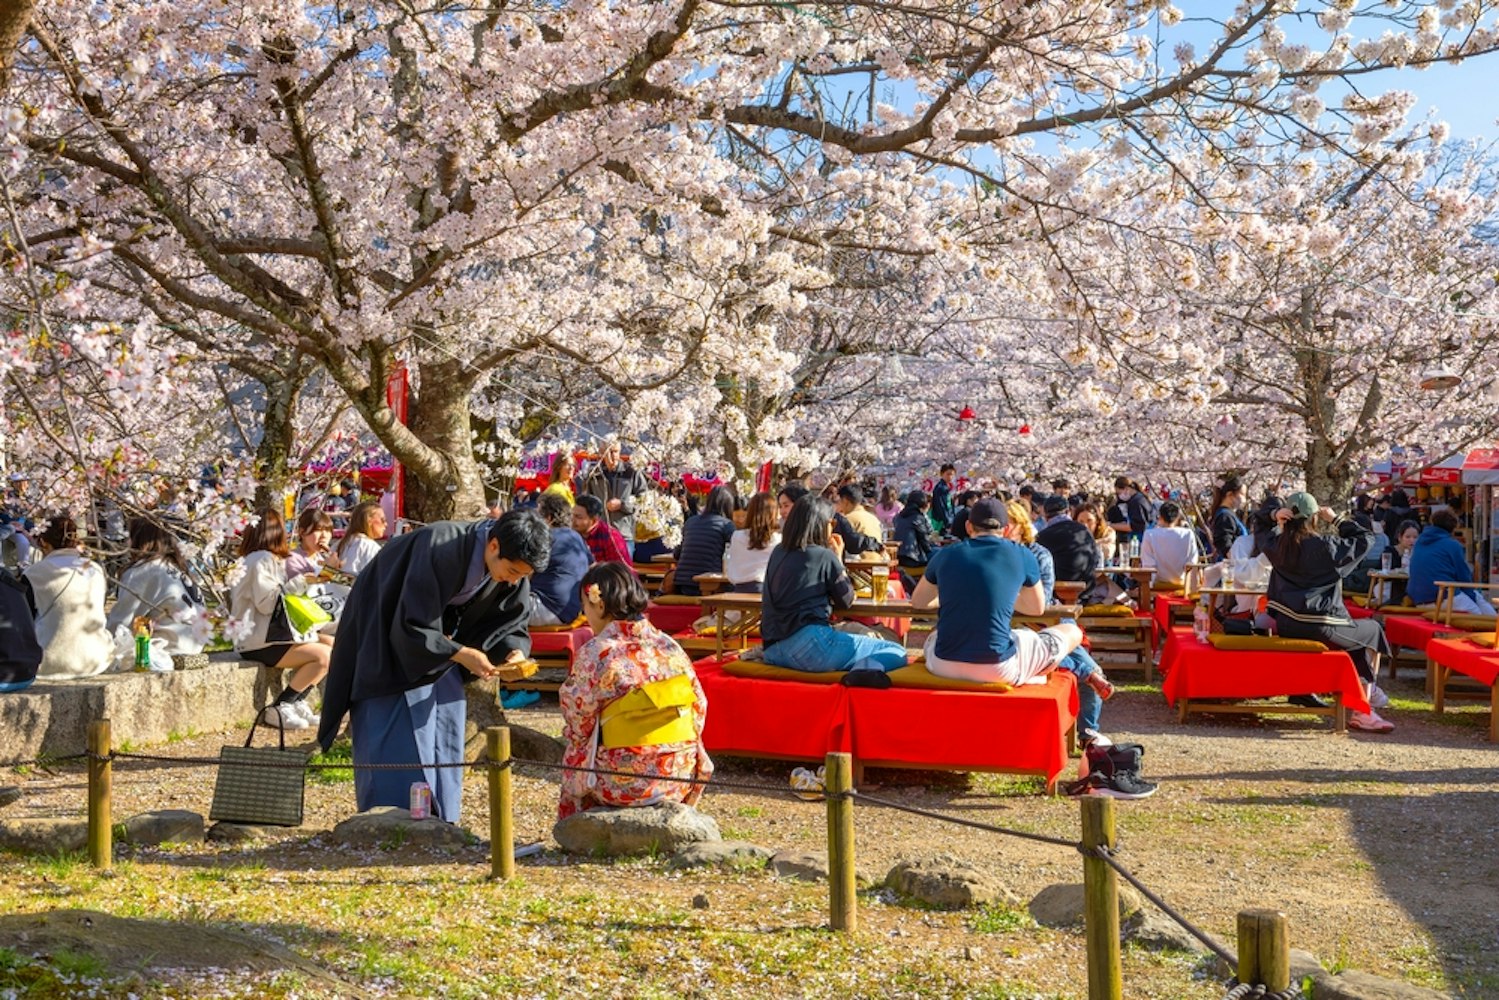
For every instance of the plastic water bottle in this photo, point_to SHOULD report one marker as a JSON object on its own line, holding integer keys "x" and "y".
{"x": 421, "y": 800}
{"x": 1385, "y": 561}
{"x": 1134, "y": 551}
{"x": 1200, "y": 620}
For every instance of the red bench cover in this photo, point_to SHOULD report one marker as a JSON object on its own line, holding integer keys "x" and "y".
{"x": 1020, "y": 730}
{"x": 1161, "y": 614}
{"x": 1194, "y": 670}
{"x": 568, "y": 642}
{"x": 1414, "y": 631}
{"x": 1467, "y": 658}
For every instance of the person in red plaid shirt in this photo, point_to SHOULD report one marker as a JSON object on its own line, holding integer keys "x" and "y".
{"x": 604, "y": 540}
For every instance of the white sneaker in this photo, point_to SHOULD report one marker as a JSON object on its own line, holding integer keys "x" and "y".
{"x": 1093, "y": 738}
{"x": 1377, "y": 698}
{"x": 283, "y": 716}
{"x": 303, "y": 708}
{"x": 1369, "y": 722}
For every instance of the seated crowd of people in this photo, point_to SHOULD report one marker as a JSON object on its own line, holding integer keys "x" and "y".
{"x": 409, "y": 615}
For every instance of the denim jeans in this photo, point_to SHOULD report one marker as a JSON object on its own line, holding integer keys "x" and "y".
{"x": 819, "y": 649}
{"x": 1089, "y": 705}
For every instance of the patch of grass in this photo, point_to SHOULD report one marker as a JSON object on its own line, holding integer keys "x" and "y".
{"x": 182, "y": 736}
{"x": 999, "y": 919}
{"x": 1010, "y": 786}
{"x": 750, "y": 812}
{"x": 79, "y": 964}
{"x": 63, "y": 866}
{"x": 341, "y": 752}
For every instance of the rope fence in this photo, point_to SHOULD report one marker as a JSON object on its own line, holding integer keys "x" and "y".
{"x": 1262, "y": 961}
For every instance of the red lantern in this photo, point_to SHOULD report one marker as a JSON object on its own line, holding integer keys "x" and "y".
{"x": 966, "y": 413}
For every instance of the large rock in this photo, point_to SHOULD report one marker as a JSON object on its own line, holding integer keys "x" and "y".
{"x": 44, "y": 836}
{"x": 164, "y": 826}
{"x": 391, "y": 827}
{"x": 1062, "y": 905}
{"x": 720, "y": 854}
{"x": 224, "y": 832}
{"x": 808, "y": 866}
{"x": 1158, "y": 932}
{"x": 663, "y": 828}
{"x": 946, "y": 883}
{"x": 1354, "y": 985}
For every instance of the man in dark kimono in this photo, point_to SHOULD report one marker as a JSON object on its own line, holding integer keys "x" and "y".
{"x": 452, "y": 596}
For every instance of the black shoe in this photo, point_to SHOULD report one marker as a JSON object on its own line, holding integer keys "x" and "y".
{"x": 1307, "y": 701}
{"x": 866, "y": 679}
{"x": 1119, "y": 785}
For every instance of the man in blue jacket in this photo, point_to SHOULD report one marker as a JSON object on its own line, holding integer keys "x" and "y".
{"x": 1438, "y": 557}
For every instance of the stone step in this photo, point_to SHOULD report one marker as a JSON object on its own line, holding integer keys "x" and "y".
{"x": 52, "y": 716}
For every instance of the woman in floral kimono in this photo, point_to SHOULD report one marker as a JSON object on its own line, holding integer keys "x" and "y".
{"x": 631, "y": 704}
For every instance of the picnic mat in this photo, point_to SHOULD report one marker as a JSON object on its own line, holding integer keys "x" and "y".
{"x": 1196, "y": 670}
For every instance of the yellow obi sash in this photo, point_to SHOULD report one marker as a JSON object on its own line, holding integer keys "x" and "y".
{"x": 653, "y": 714}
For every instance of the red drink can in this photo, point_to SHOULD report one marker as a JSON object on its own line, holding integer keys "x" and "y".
{"x": 421, "y": 800}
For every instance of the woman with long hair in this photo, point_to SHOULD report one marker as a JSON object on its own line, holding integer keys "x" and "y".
{"x": 156, "y": 585}
{"x": 631, "y": 705}
{"x": 913, "y": 530}
{"x": 1305, "y": 595}
{"x": 804, "y": 580}
{"x": 360, "y": 541}
{"x": 705, "y": 539}
{"x": 68, "y": 588}
{"x": 750, "y": 547}
{"x": 888, "y": 507}
{"x": 255, "y": 601}
{"x": 564, "y": 468}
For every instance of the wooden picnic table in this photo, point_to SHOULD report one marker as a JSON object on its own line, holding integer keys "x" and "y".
{"x": 1142, "y": 575}
{"x": 1380, "y": 585}
{"x": 1226, "y": 597}
{"x": 712, "y": 583}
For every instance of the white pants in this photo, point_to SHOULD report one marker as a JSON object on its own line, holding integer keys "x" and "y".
{"x": 1036, "y": 654}
{"x": 1466, "y": 605}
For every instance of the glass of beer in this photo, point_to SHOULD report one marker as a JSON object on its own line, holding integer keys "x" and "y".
{"x": 879, "y": 583}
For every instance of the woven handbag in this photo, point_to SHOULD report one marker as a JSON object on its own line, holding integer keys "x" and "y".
{"x": 260, "y": 785}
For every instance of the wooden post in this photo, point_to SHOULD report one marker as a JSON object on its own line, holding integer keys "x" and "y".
{"x": 1101, "y": 898}
{"x": 501, "y": 805}
{"x": 1265, "y": 949}
{"x": 100, "y": 778}
{"x": 842, "y": 905}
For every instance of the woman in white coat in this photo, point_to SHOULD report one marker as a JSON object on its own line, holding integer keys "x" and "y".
{"x": 69, "y": 591}
{"x": 156, "y": 586}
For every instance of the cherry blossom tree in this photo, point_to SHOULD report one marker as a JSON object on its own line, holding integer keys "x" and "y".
{"x": 675, "y": 198}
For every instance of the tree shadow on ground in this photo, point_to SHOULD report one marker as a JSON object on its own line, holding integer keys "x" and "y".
{"x": 1438, "y": 865}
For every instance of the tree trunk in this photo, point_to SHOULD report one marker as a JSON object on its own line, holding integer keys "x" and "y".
{"x": 15, "y": 15}
{"x": 453, "y": 487}
{"x": 278, "y": 435}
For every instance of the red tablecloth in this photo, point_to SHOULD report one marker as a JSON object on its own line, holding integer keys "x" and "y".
{"x": 947, "y": 729}
{"x": 779, "y": 718}
{"x": 1162, "y": 617}
{"x": 568, "y": 642}
{"x": 1466, "y": 657}
{"x": 1194, "y": 670}
{"x": 1414, "y": 631}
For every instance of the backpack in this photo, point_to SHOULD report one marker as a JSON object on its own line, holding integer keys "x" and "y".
{"x": 1115, "y": 772}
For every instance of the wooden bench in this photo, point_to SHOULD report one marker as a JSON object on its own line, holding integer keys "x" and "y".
{"x": 1475, "y": 658}
{"x": 1198, "y": 677}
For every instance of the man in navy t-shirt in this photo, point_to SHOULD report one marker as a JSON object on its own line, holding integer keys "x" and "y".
{"x": 982, "y": 583}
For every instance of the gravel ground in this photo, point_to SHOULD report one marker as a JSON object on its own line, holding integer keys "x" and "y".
{"x": 1378, "y": 847}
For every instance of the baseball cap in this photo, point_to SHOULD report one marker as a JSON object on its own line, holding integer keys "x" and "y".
{"x": 1055, "y": 504}
{"x": 988, "y": 514}
{"x": 1302, "y": 504}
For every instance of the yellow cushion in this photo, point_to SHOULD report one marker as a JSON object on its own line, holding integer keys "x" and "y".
{"x": 676, "y": 599}
{"x": 1483, "y": 639}
{"x": 577, "y": 622}
{"x": 916, "y": 675}
{"x": 1266, "y": 643}
{"x": 1106, "y": 610}
{"x": 765, "y": 672}
{"x": 1460, "y": 620}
